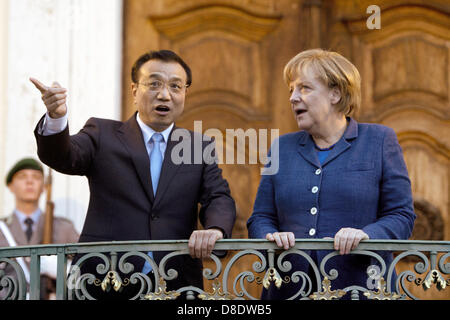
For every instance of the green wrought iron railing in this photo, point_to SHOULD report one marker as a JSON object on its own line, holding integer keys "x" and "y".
{"x": 429, "y": 260}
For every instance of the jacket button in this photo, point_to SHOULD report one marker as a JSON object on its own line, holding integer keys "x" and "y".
{"x": 313, "y": 210}
{"x": 312, "y": 232}
{"x": 314, "y": 189}
{"x": 318, "y": 171}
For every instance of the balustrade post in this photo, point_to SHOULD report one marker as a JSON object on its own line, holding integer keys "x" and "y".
{"x": 35, "y": 278}
{"x": 61, "y": 276}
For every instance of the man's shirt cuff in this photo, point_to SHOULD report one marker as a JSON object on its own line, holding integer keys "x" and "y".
{"x": 53, "y": 126}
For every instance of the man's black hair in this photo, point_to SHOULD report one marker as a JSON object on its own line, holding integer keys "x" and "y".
{"x": 163, "y": 55}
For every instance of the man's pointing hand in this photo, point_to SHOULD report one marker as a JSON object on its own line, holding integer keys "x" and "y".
{"x": 54, "y": 98}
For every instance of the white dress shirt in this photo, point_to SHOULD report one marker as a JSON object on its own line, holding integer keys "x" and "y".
{"x": 22, "y": 217}
{"x": 148, "y": 132}
{"x": 53, "y": 126}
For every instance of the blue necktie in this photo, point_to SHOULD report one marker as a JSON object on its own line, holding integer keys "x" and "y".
{"x": 155, "y": 171}
{"x": 156, "y": 160}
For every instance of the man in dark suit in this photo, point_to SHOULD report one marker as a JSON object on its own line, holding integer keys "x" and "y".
{"x": 139, "y": 191}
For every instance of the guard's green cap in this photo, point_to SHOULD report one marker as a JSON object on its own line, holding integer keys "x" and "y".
{"x": 27, "y": 163}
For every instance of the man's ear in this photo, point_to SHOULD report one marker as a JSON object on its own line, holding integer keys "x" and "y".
{"x": 335, "y": 95}
{"x": 10, "y": 187}
{"x": 134, "y": 87}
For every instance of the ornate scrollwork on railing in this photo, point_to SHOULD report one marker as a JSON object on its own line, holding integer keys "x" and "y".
{"x": 434, "y": 272}
{"x": 13, "y": 285}
{"x": 146, "y": 282}
{"x": 272, "y": 267}
{"x": 299, "y": 277}
{"x": 249, "y": 276}
{"x": 77, "y": 282}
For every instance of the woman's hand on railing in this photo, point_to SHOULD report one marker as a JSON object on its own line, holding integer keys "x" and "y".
{"x": 284, "y": 240}
{"x": 347, "y": 239}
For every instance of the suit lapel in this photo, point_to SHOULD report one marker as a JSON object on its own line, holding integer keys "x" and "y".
{"x": 306, "y": 149}
{"x": 168, "y": 170}
{"x": 131, "y": 137}
{"x": 343, "y": 144}
{"x": 308, "y": 152}
{"x": 339, "y": 148}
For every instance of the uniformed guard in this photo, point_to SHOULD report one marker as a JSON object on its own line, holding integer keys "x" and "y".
{"x": 26, "y": 225}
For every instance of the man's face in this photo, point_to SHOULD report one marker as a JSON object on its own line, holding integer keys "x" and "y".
{"x": 160, "y": 92}
{"x": 27, "y": 185}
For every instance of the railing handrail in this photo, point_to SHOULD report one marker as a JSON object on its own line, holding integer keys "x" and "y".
{"x": 224, "y": 244}
{"x": 432, "y": 265}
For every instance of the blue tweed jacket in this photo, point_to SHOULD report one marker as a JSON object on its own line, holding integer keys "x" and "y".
{"x": 362, "y": 184}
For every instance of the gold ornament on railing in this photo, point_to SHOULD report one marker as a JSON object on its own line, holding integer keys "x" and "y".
{"x": 327, "y": 293}
{"x": 161, "y": 292}
{"x": 113, "y": 280}
{"x": 434, "y": 277}
{"x": 217, "y": 293}
{"x": 382, "y": 293}
{"x": 272, "y": 275}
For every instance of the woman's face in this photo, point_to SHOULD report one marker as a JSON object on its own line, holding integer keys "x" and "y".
{"x": 313, "y": 102}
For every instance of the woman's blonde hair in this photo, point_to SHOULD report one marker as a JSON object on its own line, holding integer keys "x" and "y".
{"x": 334, "y": 70}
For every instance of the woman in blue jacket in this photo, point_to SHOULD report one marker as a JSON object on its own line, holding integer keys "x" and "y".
{"x": 337, "y": 178}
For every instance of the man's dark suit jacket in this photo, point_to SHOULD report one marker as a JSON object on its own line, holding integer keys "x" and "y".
{"x": 113, "y": 156}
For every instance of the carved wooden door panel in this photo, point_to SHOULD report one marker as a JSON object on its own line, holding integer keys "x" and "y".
{"x": 406, "y": 85}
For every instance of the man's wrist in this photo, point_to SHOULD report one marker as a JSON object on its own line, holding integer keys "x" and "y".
{"x": 55, "y": 116}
